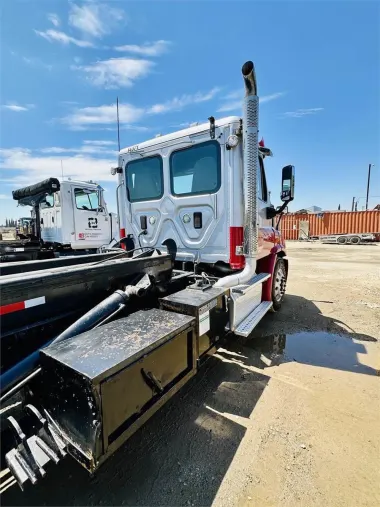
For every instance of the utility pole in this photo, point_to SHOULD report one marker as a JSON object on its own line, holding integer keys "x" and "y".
{"x": 369, "y": 179}
{"x": 353, "y": 204}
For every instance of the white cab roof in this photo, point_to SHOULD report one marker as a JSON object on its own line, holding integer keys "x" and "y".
{"x": 196, "y": 129}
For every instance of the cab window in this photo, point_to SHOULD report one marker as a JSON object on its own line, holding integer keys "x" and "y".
{"x": 48, "y": 202}
{"x": 262, "y": 182}
{"x": 145, "y": 179}
{"x": 196, "y": 170}
{"x": 57, "y": 199}
{"x": 86, "y": 200}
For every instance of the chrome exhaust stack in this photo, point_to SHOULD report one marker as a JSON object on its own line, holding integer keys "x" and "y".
{"x": 250, "y": 172}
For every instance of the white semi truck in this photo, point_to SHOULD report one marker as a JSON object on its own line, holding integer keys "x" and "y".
{"x": 68, "y": 217}
{"x": 203, "y": 261}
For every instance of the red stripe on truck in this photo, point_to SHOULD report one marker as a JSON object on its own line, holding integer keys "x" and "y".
{"x": 22, "y": 305}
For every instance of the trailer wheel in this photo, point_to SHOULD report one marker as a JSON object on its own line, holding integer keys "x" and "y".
{"x": 278, "y": 284}
{"x": 355, "y": 240}
{"x": 341, "y": 240}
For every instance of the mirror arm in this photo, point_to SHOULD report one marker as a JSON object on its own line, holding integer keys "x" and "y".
{"x": 282, "y": 207}
{"x": 272, "y": 212}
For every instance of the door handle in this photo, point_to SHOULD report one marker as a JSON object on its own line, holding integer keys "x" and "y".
{"x": 197, "y": 220}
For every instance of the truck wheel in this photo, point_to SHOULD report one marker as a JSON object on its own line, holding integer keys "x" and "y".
{"x": 355, "y": 240}
{"x": 341, "y": 240}
{"x": 278, "y": 284}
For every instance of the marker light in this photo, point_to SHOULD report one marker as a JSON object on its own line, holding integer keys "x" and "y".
{"x": 232, "y": 141}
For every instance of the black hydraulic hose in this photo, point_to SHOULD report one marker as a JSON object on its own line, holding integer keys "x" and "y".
{"x": 97, "y": 314}
{"x": 95, "y": 317}
{"x": 121, "y": 307}
{"x": 17, "y": 387}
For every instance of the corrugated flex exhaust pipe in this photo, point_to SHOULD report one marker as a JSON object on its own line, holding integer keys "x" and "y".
{"x": 250, "y": 172}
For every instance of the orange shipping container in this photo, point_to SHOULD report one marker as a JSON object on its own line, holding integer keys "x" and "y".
{"x": 295, "y": 226}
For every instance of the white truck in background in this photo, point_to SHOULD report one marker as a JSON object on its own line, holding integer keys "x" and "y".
{"x": 68, "y": 217}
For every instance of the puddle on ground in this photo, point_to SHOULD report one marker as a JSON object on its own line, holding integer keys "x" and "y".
{"x": 320, "y": 348}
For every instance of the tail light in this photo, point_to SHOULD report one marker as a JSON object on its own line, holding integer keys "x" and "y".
{"x": 122, "y": 235}
{"x": 236, "y": 242}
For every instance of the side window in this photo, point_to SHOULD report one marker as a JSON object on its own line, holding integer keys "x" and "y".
{"x": 196, "y": 170}
{"x": 86, "y": 200}
{"x": 48, "y": 202}
{"x": 262, "y": 182}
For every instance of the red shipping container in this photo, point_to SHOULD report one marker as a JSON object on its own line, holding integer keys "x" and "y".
{"x": 323, "y": 223}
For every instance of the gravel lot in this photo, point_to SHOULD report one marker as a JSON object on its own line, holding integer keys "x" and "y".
{"x": 288, "y": 417}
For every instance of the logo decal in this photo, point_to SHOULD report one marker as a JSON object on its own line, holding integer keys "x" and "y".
{"x": 92, "y": 223}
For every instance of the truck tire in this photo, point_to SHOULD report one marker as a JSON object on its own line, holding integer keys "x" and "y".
{"x": 355, "y": 240}
{"x": 342, "y": 240}
{"x": 278, "y": 284}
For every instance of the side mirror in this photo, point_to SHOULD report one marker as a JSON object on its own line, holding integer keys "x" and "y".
{"x": 287, "y": 187}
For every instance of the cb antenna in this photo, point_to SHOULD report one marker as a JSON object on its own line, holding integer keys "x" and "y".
{"x": 118, "y": 123}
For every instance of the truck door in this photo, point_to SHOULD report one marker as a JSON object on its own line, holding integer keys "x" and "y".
{"x": 266, "y": 232}
{"x": 91, "y": 220}
{"x": 178, "y": 195}
{"x": 47, "y": 219}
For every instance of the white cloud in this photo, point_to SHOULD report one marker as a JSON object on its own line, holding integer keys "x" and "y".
{"x": 92, "y": 149}
{"x": 178, "y": 103}
{"x": 85, "y": 117}
{"x": 100, "y": 116}
{"x": 147, "y": 49}
{"x": 69, "y": 102}
{"x": 17, "y": 108}
{"x": 302, "y": 112}
{"x": 185, "y": 125}
{"x": 36, "y": 62}
{"x": 94, "y": 19}
{"x": 100, "y": 143}
{"x": 22, "y": 166}
{"x": 63, "y": 38}
{"x": 54, "y": 18}
{"x": 232, "y": 104}
{"x": 116, "y": 72}
{"x": 4, "y": 196}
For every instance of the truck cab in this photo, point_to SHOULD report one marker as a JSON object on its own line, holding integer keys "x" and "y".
{"x": 69, "y": 215}
{"x": 76, "y": 216}
{"x": 185, "y": 189}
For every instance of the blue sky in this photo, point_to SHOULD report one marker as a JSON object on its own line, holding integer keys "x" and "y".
{"x": 173, "y": 63}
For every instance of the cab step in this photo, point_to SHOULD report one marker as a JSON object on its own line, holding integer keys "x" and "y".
{"x": 244, "y": 299}
{"x": 250, "y": 286}
{"x": 246, "y": 327}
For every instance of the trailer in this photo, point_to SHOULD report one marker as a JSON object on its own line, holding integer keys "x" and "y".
{"x": 345, "y": 239}
{"x": 114, "y": 336}
{"x": 68, "y": 217}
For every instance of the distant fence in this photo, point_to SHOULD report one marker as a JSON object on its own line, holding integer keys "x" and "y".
{"x": 296, "y": 226}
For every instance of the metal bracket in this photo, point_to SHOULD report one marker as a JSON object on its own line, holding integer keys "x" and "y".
{"x": 26, "y": 461}
{"x": 212, "y": 127}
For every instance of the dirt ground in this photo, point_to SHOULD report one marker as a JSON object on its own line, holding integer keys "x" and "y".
{"x": 288, "y": 417}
